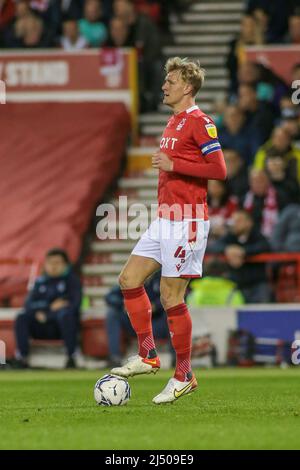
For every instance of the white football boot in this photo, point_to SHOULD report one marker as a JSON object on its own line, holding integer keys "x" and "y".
{"x": 137, "y": 365}
{"x": 174, "y": 390}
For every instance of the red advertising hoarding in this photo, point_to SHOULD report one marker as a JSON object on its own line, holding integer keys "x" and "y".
{"x": 108, "y": 75}
{"x": 280, "y": 59}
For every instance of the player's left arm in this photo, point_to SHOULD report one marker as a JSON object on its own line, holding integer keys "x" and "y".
{"x": 210, "y": 163}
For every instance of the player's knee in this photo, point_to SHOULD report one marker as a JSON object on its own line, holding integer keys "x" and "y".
{"x": 126, "y": 281}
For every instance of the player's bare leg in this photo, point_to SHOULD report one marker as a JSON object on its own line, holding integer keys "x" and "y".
{"x": 138, "y": 307}
{"x": 180, "y": 326}
{"x": 136, "y": 271}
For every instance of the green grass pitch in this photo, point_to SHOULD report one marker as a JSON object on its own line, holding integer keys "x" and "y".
{"x": 232, "y": 409}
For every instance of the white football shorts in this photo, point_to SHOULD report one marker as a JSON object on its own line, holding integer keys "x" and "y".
{"x": 179, "y": 246}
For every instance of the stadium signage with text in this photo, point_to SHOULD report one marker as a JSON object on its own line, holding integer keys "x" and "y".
{"x": 86, "y": 70}
{"x": 106, "y": 75}
{"x": 35, "y": 73}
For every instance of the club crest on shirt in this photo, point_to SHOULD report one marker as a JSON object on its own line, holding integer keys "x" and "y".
{"x": 181, "y": 124}
{"x": 211, "y": 130}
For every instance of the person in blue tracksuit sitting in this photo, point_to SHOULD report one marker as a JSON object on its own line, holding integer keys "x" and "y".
{"x": 52, "y": 308}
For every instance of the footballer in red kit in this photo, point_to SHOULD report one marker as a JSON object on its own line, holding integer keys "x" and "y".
{"x": 189, "y": 155}
{"x": 189, "y": 139}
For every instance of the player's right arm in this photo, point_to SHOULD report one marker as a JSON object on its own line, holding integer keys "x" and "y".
{"x": 212, "y": 167}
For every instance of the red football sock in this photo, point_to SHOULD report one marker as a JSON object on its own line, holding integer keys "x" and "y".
{"x": 180, "y": 326}
{"x": 138, "y": 307}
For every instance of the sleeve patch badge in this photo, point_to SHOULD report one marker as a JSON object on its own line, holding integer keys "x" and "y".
{"x": 211, "y": 130}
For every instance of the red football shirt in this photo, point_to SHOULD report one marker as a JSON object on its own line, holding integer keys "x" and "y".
{"x": 190, "y": 140}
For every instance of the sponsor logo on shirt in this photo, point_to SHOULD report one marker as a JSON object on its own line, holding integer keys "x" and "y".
{"x": 168, "y": 143}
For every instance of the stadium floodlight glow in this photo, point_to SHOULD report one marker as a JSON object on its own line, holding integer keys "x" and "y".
{"x": 2, "y": 92}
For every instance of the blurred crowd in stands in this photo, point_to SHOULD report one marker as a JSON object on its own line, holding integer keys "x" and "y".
{"x": 79, "y": 24}
{"x": 258, "y": 208}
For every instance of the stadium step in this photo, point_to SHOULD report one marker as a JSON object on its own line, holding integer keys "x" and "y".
{"x": 217, "y": 6}
{"x": 92, "y": 269}
{"x": 126, "y": 183}
{"x": 139, "y": 158}
{"x": 203, "y": 32}
{"x": 199, "y": 51}
{"x": 205, "y": 17}
{"x": 96, "y": 291}
{"x": 112, "y": 246}
{"x": 200, "y": 39}
{"x": 131, "y": 202}
{"x": 189, "y": 28}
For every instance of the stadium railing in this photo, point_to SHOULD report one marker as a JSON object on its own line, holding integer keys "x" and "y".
{"x": 283, "y": 270}
{"x": 283, "y": 273}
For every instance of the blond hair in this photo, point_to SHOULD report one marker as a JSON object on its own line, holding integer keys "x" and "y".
{"x": 190, "y": 71}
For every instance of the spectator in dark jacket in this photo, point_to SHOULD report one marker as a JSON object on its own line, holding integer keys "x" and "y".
{"x": 283, "y": 177}
{"x": 51, "y": 310}
{"x": 290, "y": 118}
{"x": 7, "y": 11}
{"x": 71, "y": 40}
{"x": 259, "y": 114}
{"x": 117, "y": 320}
{"x": 237, "y": 173}
{"x": 14, "y": 31}
{"x": 245, "y": 240}
{"x": 60, "y": 11}
{"x": 286, "y": 233}
{"x": 293, "y": 36}
{"x": 269, "y": 87}
{"x": 118, "y": 33}
{"x": 278, "y": 12}
{"x": 236, "y": 135}
{"x": 265, "y": 199}
{"x": 144, "y": 35}
{"x": 28, "y": 30}
{"x": 36, "y": 35}
{"x": 250, "y": 35}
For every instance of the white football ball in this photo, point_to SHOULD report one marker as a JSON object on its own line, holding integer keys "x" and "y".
{"x": 112, "y": 390}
